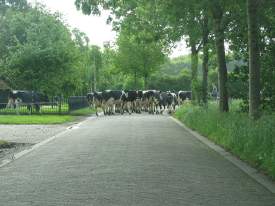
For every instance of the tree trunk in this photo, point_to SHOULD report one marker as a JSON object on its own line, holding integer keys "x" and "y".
{"x": 219, "y": 39}
{"x": 135, "y": 80}
{"x": 95, "y": 80}
{"x": 145, "y": 81}
{"x": 254, "y": 58}
{"x": 205, "y": 60}
{"x": 95, "y": 74}
{"x": 194, "y": 70}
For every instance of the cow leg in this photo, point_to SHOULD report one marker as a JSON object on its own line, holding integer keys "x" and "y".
{"x": 130, "y": 107}
{"x": 96, "y": 112}
{"x": 113, "y": 109}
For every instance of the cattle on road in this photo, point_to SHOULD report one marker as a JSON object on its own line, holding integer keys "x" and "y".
{"x": 151, "y": 101}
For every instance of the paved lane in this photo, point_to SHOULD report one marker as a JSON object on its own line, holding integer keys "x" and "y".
{"x": 131, "y": 160}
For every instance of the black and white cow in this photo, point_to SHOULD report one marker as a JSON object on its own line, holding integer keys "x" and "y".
{"x": 184, "y": 95}
{"x": 173, "y": 101}
{"x": 29, "y": 98}
{"x": 139, "y": 102}
{"x": 95, "y": 99}
{"x": 113, "y": 100}
{"x": 151, "y": 100}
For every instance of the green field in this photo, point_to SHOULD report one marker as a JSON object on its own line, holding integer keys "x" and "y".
{"x": 35, "y": 119}
{"x": 2, "y": 143}
{"x": 253, "y": 142}
{"x": 43, "y": 118}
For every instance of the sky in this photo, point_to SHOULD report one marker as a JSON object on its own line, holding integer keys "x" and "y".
{"x": 94, "y": 26}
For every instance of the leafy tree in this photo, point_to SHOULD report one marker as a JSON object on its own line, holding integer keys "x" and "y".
{"x": 96, "y": 59}
{"x": 37, "y": 52}
{"x": 169, "y": 22}
{"x": 138, "y": 55}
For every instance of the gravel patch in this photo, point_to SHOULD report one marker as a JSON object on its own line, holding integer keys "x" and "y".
{"x": 29, "y": 133}
{"x": 22, "y": 137}
{"x": 8, "y": 150}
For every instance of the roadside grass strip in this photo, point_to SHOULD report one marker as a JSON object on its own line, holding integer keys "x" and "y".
{"x": 35, "y": 119}
{"x": 3, "y": 143}
{"x": 83, "y": 112}
{"x": 251, "y": 141}
{"x": 44, "y": 109}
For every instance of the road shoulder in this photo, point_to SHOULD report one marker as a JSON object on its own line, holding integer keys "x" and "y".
{"x": 250, "y": 171}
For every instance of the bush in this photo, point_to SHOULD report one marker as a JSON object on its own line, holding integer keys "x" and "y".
{"x": 252, "y": 141}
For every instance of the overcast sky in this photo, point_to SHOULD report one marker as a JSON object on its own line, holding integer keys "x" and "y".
{"x": 94, "y": 26}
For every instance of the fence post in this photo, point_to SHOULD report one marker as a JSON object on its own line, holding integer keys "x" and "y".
{"x": 59, "y": 106}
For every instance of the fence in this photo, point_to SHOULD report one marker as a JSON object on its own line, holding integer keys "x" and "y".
{"x": 60, "y": 107}
{"x": 77, "y": 102}
{"x": 55, "y": 107}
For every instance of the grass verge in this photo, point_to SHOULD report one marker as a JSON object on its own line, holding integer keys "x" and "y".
{"x": 2, "y": 143}
{"x": 83, "y": 112}
{"x": 35, "y": 119}
{"x": 253, "y": 142}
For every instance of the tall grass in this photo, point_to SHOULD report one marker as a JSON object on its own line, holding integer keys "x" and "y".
{"x": 252, "y": 141}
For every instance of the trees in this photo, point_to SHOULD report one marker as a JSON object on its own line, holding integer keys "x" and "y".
{"x": 38, "y": 53}
{"x": 254, "y": 58}
{"x": 227, "y": 22}
{"x": 138, "y": 57}
{"x": 205, "y": 42}
{"x": 217, "y": 12}
{"x": 96, "y": 64}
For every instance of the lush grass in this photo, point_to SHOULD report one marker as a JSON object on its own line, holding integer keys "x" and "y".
{"x": 35, "y": 119}
{"x": 2, "y": 143}
{"x": 83, "y": 112}
{"x": 252, "y": 141}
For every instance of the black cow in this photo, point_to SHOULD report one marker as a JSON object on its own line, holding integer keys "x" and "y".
{"x": 131, "y": 101}
{"x": 30, "y": 99}
{"x": 151, "y": 100}
{"x": 164, "y": 101}
{"x": 184, "y": 95}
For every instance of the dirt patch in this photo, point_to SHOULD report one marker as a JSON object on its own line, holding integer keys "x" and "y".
{"x": 9, "y": 149}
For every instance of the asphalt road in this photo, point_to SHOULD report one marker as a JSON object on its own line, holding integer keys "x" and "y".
{"x": 125, "y": 161}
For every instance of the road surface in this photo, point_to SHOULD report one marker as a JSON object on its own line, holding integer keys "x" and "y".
{"x": 127, "y": 161}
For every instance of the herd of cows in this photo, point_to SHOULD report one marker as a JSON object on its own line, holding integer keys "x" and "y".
{"x": 110, "y": 101}
{"x": 15, "y": 98}
{"x": 151, "y": 101}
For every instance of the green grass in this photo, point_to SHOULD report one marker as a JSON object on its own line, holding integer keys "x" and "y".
{"x": 83, "y": 112}
{"x": 253, "y": 142}
{"x": 35, "y": 119}
{"x": 2, "y": 143}
{"x": 45, "y": 109}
